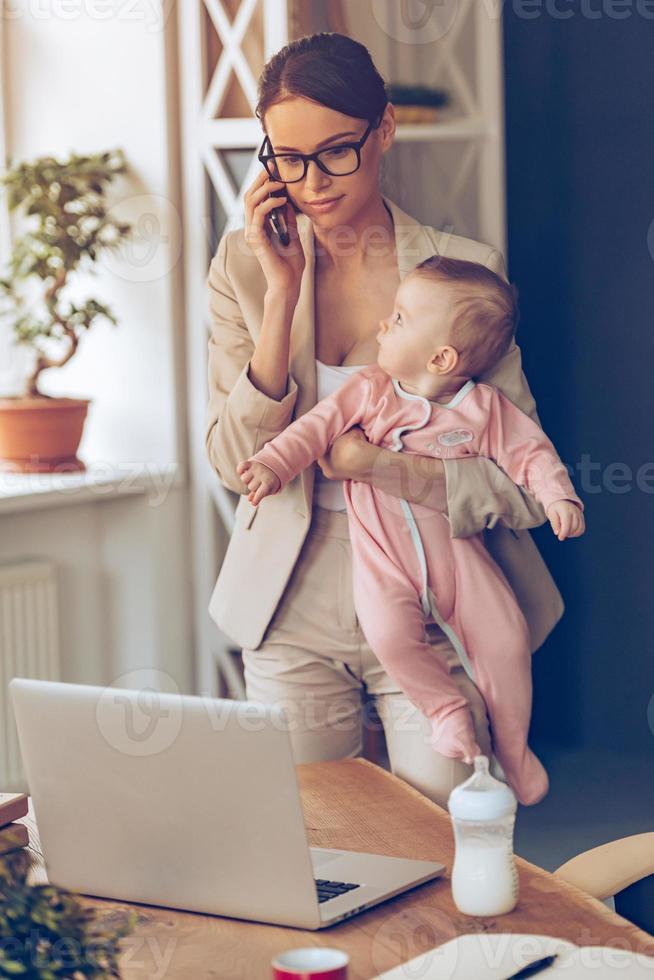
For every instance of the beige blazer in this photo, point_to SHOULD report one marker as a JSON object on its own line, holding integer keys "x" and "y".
{"x": 266, "y": 540}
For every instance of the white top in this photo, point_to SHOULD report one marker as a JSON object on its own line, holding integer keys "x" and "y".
{"x": 329, "y": 493}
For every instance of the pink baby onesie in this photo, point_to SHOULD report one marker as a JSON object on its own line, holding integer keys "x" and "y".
{"x": 405, "y": 564}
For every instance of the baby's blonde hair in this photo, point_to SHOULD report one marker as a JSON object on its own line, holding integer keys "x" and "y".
{"x": 485, "y": 315}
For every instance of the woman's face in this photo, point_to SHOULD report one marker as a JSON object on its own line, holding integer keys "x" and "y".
{"x": 304, "y": 126}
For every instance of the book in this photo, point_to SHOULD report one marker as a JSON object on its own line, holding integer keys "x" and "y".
{"x": 495, "y": 956}
{"x": 12, "y": 837}
{"x": 12, "y": 807}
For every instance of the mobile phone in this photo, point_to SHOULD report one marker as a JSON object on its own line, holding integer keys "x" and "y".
{"x": 277, "y": 218}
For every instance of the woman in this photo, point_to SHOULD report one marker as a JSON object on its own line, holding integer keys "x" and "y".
{"x": 289, "y": 324}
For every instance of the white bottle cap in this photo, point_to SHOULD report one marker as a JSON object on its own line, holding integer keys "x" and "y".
{"x": 481, "y": 797}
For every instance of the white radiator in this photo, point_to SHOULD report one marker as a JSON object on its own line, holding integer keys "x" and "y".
{"x": 29, "y": 647}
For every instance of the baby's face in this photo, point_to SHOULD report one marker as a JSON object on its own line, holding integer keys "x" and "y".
{"x": 418, "y": 325}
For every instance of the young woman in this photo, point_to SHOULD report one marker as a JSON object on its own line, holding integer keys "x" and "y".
{"x": 288, "y": 325}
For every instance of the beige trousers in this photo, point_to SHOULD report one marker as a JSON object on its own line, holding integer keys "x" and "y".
{"x": 315, "y": 661}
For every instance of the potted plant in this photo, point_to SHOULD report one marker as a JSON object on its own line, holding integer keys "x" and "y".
{"x": 47, "y": 932}
{"x": 68, "y": 227}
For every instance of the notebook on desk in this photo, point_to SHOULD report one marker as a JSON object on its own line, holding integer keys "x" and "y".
{"x": 496, "y": 956}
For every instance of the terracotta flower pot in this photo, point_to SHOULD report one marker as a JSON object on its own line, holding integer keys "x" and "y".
{"x": 41, "y": 435}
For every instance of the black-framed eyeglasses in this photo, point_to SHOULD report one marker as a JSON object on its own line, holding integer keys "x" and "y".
{"x": 338, "y": 160}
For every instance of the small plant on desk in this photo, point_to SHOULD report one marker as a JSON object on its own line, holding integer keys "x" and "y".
{"x": 47, "y": 933}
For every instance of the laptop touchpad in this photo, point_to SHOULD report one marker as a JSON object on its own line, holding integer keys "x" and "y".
{"x": 320, "y": 857}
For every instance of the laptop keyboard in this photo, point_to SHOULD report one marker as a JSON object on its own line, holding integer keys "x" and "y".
{"x": 332, "y": 889}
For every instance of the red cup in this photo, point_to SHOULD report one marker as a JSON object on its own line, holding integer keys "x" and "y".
{"x": 311, "y": 963}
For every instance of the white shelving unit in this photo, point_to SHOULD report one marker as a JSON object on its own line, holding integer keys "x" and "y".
{"x": 464, "y": 128}
{"x": 468, "y": 198}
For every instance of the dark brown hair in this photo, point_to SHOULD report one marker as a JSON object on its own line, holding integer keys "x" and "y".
{"x": 485, "y": 314}
{"x": 329, "y": 68}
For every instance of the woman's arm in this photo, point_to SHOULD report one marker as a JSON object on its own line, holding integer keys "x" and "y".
{"x": 251, "y": 392}
{"x": 473, "y": 493}
{"x": 419, "y": 479}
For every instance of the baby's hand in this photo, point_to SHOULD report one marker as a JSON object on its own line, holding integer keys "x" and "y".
{"x": 258, "y": 478}
{"x": 566, "y": 518}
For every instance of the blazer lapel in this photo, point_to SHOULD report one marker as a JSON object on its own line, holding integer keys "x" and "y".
{"x": 302, "y": 345}
{"x": 412, "y": 245}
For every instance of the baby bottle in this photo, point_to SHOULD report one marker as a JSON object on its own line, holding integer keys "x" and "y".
{"x": 484, "y": 876}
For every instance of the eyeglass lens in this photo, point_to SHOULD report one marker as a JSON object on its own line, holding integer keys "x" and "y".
{"x": 338, "y": 161}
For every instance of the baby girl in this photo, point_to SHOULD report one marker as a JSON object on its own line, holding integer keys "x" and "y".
{"x": 452, "y": 321}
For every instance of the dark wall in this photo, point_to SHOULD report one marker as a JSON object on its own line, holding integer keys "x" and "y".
{"x": 580, "y": 182}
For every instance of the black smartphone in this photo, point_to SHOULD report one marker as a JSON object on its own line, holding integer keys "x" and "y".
{"x": 277, "y": 217}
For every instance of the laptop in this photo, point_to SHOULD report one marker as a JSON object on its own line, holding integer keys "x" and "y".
{"x": 186, "y": 802}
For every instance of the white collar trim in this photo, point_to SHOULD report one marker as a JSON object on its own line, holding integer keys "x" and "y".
{"x": 453, "y": 402}
{"x": 396, "y": 445}
{"x": 460, "y": 395}
{"x": 407, "y": 394}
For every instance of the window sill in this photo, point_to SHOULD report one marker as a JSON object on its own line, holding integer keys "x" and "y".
{"x": 100, "y": 482}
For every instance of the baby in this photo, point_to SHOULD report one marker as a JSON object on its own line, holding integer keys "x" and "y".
{"x": 452, "y": 321}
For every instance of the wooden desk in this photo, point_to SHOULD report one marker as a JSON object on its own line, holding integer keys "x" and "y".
{"x": 356, "y": 805}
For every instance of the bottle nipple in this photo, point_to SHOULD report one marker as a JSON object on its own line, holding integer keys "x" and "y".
{"x": 481, "y": 764}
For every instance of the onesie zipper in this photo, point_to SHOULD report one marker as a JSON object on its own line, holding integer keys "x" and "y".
{"x": 427, "y": 598}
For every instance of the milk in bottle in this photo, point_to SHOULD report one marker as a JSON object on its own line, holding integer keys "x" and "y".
{"x": 484, "y": 876}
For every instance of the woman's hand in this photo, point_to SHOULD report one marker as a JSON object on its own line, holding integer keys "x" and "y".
{"x": 409, "y": 476}
{"x": 282, "y": 265}
{"x": 346, "y": 457}
{"x": 418, "y": 479}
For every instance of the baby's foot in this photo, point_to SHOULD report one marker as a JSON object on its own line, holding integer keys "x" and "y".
{"x": 528, "y": 779}
{"x": 454, "y": 736}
